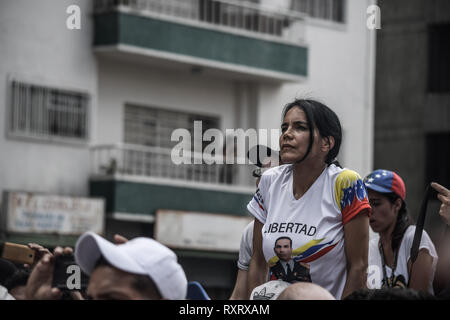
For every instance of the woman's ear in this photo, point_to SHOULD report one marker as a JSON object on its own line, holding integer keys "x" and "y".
{"x": 327, "y": 143}
{"x": 398, "y": 204}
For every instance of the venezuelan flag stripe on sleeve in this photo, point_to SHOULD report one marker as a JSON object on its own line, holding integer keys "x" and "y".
{"x": 350, "y": 195}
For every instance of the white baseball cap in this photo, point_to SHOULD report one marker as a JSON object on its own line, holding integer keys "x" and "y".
{"x": 143, "y": 256}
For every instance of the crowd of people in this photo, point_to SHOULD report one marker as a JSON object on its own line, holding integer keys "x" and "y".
{"x": 309, "y": 238}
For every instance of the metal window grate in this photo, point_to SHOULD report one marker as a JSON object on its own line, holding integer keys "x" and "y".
{"x": 148, "y": 145}
{"x": 43, "y": 112}
{"x": 322, "y": 9}
{"x": 249, "y": 16}
{"x": 153, "y": 126}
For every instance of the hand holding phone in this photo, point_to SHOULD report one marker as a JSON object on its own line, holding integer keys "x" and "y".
{"x": 67, "y": 275}
{"x": 53, "y": 276}
{"x": 39, "y": 285}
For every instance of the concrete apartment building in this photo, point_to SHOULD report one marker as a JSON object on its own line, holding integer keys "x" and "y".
{"x": 89, "y": 112}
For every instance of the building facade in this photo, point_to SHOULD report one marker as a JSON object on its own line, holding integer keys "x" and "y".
{"x": 90, "y": 112}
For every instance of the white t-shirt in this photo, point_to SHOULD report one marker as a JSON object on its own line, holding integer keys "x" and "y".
{"x": 246, "y": 247}
{"x": 375, "y": 270}
{"x": 4, "y": 295}
{"x": 314, "y": 223}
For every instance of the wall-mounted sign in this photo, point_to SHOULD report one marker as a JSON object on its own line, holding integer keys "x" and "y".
{"x": 38, "y": 213}
{"x": 199, "y": 231}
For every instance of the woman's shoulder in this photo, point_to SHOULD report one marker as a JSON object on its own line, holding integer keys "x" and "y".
{"x": 344, "y": 178}
{"x": 408, "y": 236}
{"x": 270, "y": 177}
{"x": 343, "y": 173}
{"x": 425, "y": 241}
{"x": 407, "y": 239}
{"x": 410, "y": 231}
{"x": 277, "y": 171}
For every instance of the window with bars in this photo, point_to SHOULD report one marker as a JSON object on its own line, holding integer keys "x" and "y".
{"x": 153, "y": 127}
{"x": 242, "y": 17}
{"x": 322, "y": 9}
{"x": 44, "y": 112}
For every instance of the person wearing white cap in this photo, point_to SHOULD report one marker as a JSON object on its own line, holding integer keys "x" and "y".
{"x": 137, "y": 269}
{"x": 141, "y": 268}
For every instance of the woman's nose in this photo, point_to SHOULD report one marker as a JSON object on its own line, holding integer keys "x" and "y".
{"x": 287, "y": 134}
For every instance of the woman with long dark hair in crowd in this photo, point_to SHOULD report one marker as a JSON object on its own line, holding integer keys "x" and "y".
{"x": 311, "y": 216}
{"x": 389, "y": 255}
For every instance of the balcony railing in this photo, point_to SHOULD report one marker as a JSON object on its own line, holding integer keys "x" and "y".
{"x": 156, "y": 162}
{"x": 228, "y": 15}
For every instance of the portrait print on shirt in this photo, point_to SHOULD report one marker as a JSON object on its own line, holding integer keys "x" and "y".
{"x": 286, "y": 268}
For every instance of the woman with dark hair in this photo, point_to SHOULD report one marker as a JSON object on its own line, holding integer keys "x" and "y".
{"x": 389, "y": 255}
{"x": 320, "y": 206}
